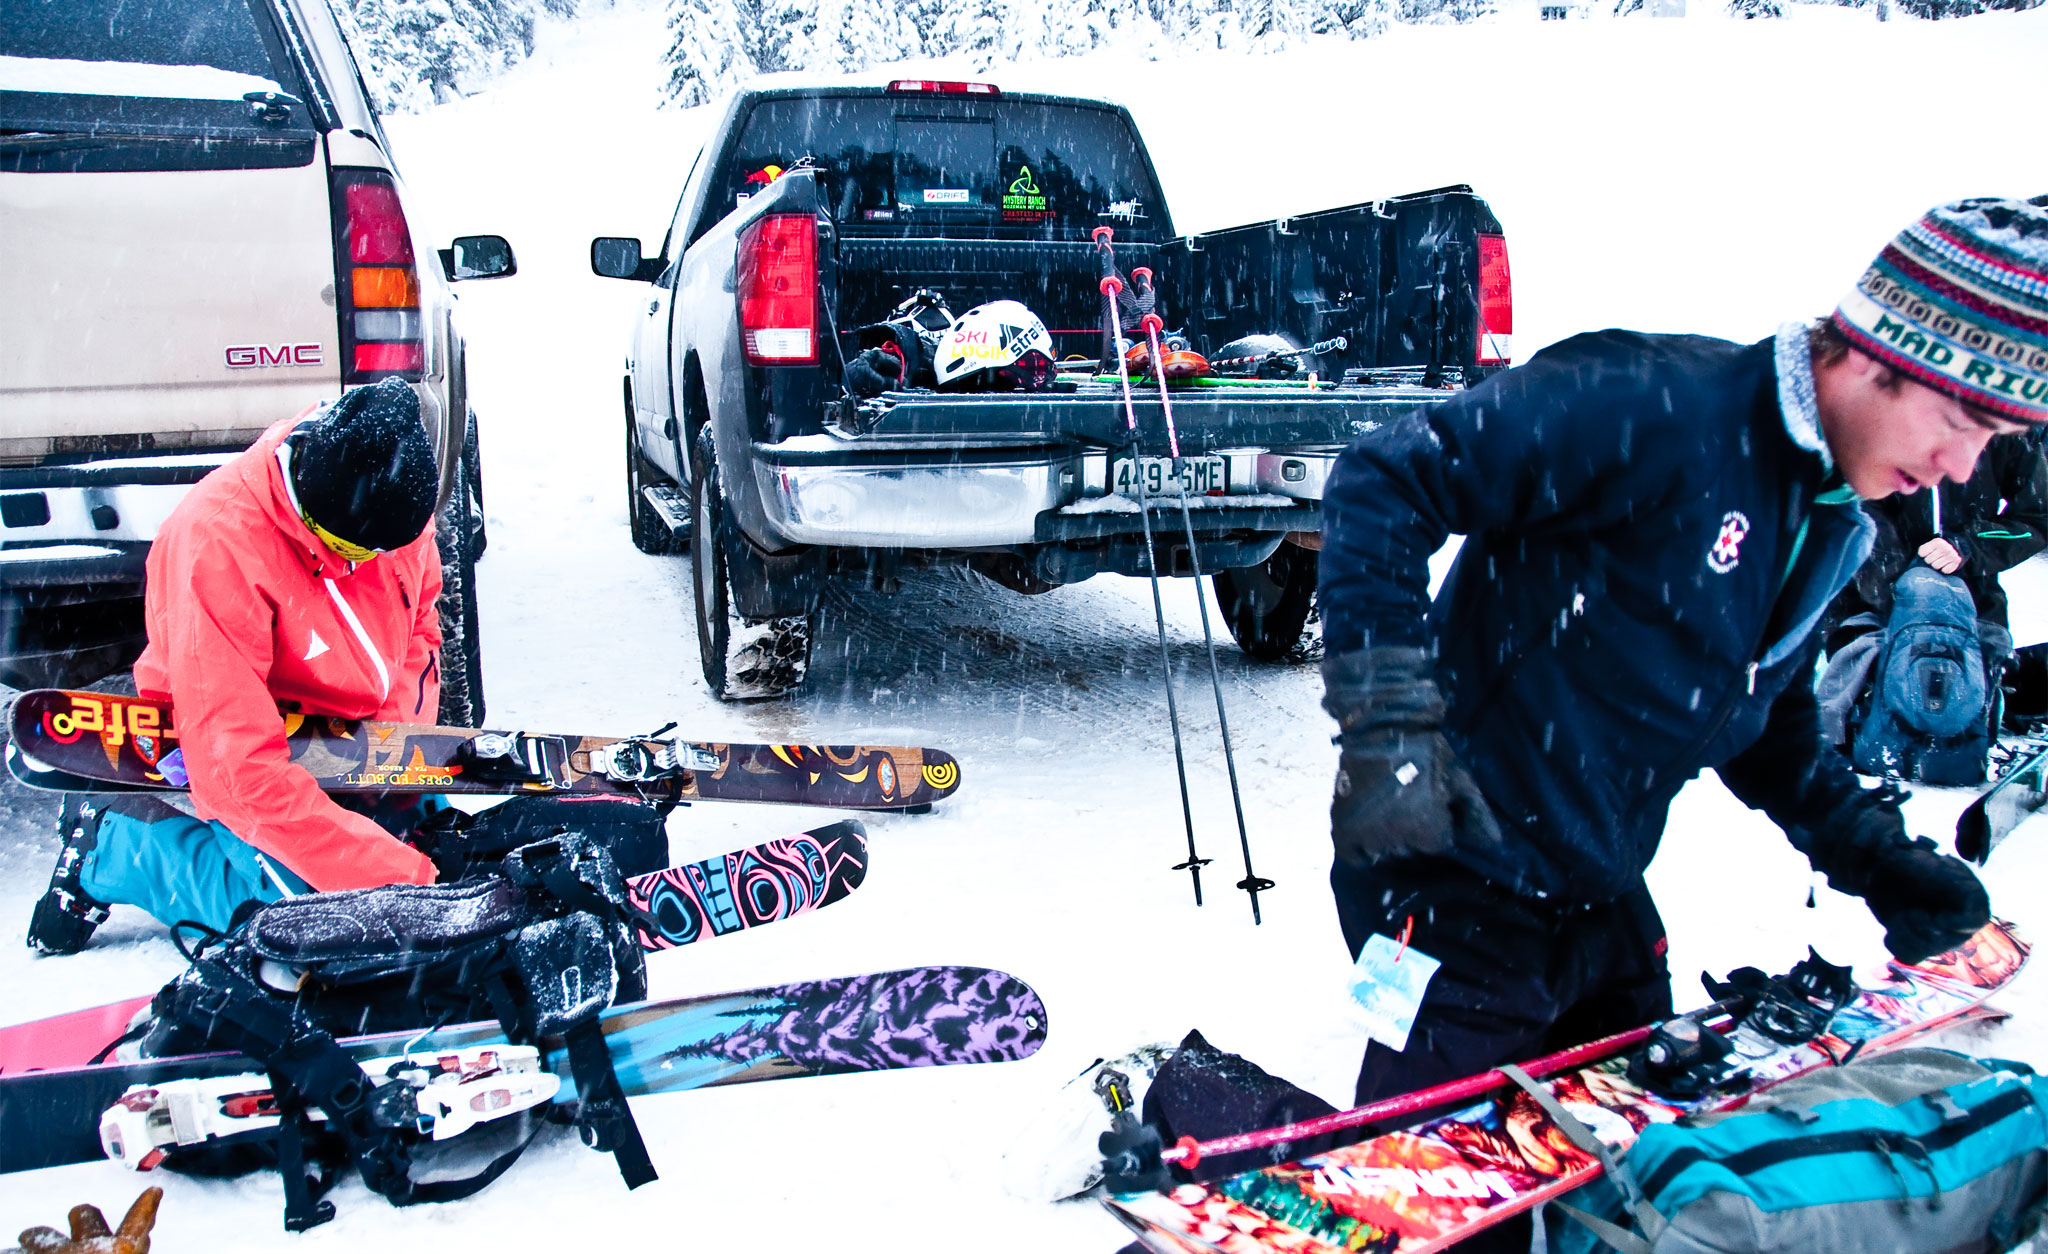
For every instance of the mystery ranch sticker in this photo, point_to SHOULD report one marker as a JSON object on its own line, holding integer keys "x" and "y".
{"x": 1024, "y": 202}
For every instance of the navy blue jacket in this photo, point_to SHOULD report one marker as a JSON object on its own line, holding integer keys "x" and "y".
{"x": 1644, "y": 565}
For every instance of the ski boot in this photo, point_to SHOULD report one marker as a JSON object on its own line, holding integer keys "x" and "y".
{"x": 66, "y": 916}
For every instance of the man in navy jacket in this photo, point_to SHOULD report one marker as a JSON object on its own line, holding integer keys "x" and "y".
{"x": 1653, "y": 528}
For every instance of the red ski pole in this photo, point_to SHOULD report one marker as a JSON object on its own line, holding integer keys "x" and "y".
{"x": 1252, "y": 883}
{"x": 1187, "y": 1152}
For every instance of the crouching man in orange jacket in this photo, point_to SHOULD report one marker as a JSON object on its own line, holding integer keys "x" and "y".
{"x": 300, "y": 576}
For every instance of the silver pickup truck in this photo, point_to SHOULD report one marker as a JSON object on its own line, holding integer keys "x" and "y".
{"x": 204, "y": 232}
{"x": 814, "y": 212}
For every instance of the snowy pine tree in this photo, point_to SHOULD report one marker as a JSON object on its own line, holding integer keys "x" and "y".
{"x": 414, "y": 53}
{"x": 717, "y": 44}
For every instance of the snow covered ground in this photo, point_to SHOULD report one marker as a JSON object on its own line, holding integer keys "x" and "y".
{"x": 1701, "y": 174}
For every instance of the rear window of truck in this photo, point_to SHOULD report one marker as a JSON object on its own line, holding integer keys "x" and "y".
{"x": 976, "y": 168}
{"x": 92, "y": 85}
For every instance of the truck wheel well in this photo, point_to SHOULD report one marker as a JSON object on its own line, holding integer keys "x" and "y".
{"x": 696, "y": 411}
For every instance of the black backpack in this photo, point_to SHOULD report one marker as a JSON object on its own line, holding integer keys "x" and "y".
{"x": 543, "y": 946}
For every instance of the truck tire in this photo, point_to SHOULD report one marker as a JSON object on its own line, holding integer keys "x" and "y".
{"x": 473, "y": 476}
{"x": 743, "y": 659}
{"x": 1271, "y": 608}
{"x": 462, "y": 668}
{"x": 650, "y": 534}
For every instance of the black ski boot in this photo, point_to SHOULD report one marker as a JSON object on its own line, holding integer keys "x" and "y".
{"x": 66, "y": 916}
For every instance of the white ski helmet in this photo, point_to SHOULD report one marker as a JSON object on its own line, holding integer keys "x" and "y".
{"x": 1000, "y": 346}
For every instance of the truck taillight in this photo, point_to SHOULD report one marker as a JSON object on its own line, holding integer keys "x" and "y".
{"x": 377, "y": 285}
{"x": 944, "y": 87}
{"x": 1496, "y": 303}
{"x": 778, "y": 290}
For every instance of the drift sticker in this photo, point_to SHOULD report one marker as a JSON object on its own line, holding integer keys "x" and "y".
{"x": 1024, "y": 202}
{"x": 947, "y": 196}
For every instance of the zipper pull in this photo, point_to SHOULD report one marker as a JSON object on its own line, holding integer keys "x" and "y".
{"x": 1752, "y": 679}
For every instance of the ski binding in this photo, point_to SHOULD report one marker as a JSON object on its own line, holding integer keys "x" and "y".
{"x": 451, "y": 1093}
{"x": 645, "y": 761}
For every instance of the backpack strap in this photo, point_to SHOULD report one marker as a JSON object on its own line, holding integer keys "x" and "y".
{"x": 1582, "y": 1136}
{"x": 1613, "y": 1234}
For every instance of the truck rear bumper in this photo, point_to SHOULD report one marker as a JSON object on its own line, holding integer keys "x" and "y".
{"x": 90, "y": 524}
{"x": 964, "y": 498}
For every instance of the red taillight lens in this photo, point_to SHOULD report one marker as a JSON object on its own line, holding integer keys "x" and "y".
{"x": 377, "y": 285}
{"x": 778, "y": 290}
{"x": 1496, "y": 302}
{"x": 943, "y": 87}
{"x": 376, "y": 225}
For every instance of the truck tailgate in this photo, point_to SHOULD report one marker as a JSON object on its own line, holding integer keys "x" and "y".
{"x": 110, "y": 331}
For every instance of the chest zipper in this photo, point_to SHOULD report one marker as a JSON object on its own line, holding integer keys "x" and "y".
{"x": 348, "y": 615}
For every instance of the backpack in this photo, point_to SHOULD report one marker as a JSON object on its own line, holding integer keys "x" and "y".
{"x": 543, "y": 946}
{"x": 1920, "y": 1150}
{"x": 1928, "y": 714}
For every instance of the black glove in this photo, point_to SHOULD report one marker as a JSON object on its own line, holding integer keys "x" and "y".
{"x": 1928, "y": 901}
{"x": 1400, "y": 788}
{"x": 874, "y": 372}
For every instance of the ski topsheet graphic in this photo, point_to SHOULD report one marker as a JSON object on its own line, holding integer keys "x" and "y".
{"x": 1430, "y": 1185}
{"x": 689, "y": 902}
{"x": 92, "y": 741}
{"x": 921, "y": 1017}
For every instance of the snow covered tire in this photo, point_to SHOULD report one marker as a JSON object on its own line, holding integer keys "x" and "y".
{"x": 1271, "y": 608}
{"x": 743, "y": 659}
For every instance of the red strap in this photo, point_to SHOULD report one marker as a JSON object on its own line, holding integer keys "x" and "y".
{"x": 1407, "y": 930}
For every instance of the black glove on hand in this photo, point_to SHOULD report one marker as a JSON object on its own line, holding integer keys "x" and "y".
{"x": 1400, "y": 788}
{"x": 873, "y": 372}
{"x": 1928, "y": 902}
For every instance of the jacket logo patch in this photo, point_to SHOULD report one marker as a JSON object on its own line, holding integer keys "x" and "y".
{"x": 315, "y": 646}
{"x": 1727, "y": 550}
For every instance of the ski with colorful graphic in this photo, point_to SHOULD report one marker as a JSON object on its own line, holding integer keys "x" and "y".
{"x": 1434, "y": 1183}
{"x": 717, "y": 896}
{"x": 99, "y": 742}
{"x": 922, "y": 1017}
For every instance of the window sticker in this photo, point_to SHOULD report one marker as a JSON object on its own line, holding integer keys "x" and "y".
{"x": 1125, "y": 210}
{"x": 947, "y": 196}
{"x": 879, "y": 215}
{"x": 1024, "y": 202}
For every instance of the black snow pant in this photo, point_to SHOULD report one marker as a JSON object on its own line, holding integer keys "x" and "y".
{"x": 1521, "y": 977}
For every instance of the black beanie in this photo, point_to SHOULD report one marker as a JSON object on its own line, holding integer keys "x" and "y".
{"x": 364, "y": 470}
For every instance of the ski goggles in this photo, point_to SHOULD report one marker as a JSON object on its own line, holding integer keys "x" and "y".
{"x": 353, "y": 552}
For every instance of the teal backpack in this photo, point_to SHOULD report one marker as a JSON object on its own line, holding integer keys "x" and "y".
{"x": 1921, "y": 1150}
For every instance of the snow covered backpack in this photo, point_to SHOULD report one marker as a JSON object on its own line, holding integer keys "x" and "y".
{"x": 543, "y": 947}
{"x": 1928, "y": 712}
{"x": 1923, "y": 1149}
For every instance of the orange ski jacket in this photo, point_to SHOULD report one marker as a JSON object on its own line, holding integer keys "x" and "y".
{"x": 249, "y": 613}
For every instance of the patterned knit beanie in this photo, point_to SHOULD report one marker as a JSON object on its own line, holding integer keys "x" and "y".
{"x": 364, "y": 470}
{"x": 1959, "y": 302}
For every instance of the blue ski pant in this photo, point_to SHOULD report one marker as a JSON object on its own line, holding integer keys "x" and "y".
{"x": 180, "y": 869}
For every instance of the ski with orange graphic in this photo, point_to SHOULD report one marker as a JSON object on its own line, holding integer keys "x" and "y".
{"x": 101, "y": 742}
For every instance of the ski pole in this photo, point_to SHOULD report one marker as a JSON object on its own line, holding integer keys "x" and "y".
{"x": 1187, "y": 1152}
{"x": 1112, "y": 285}
{"x": 1335, "y": 344}
{"x": 1251, "y": 883}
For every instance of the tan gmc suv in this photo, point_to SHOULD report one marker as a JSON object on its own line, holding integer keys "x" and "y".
{"x": 201, "y": 231}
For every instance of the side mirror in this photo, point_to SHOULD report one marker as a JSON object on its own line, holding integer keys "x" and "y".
{"x": 618, "y": 257}
{"x": 478, "y": 257}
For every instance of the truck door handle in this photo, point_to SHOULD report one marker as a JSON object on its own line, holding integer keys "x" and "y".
{"x": 653, "y": 306}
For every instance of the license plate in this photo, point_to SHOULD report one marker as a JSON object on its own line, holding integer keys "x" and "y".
{"x": 1198, "y": 475}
